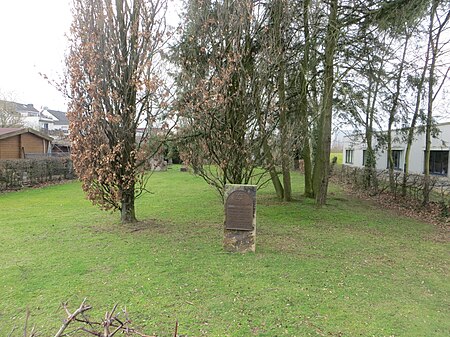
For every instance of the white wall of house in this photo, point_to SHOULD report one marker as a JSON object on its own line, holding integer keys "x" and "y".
{"x": 38, "y": 123}
{"x": 50, "y": 117}
{"x": 354, "y": 147}
{"x": 55, "y": 124}
{"x": 31, "y": 122}
{"x": 46, "y": 124}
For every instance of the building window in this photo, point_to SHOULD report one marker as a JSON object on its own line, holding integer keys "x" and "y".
{"x": 439, "y": 162}
{"x": 364, "y": 162}
{"x": 349, "y": 156}
{"x": 397, "y": 158}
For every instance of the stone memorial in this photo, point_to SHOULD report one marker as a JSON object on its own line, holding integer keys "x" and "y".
{"x": 240, "y": 218}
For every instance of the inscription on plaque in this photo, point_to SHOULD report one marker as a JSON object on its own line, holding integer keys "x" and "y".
{"x": 239, "y": 211}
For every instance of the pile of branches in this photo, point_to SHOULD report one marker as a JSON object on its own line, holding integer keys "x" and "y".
{"x": 114, "y": 322}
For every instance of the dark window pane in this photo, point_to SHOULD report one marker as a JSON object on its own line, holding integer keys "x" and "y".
{"x": 439, "y": 162}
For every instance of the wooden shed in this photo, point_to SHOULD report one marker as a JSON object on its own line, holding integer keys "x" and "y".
{"x": 17, "y": 143}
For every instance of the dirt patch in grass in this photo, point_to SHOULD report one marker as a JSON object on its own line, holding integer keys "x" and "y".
{"x": 443, "y": 236}
{"x": 151, "y": 225}
{"x": 283, "y": 244}
{"x": 140, "y": 227}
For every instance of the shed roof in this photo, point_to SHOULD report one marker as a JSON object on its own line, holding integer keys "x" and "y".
{"x": 8, "y": 130}
{"x": 11, "y": 132}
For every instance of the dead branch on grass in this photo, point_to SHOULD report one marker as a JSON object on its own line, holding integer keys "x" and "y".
{"x": 77, "y": 321}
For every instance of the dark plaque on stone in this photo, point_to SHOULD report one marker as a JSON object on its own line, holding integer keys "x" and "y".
{"x": 239, "y": 211}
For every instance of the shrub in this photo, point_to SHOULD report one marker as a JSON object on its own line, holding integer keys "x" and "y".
{"x": 14, "y": 174}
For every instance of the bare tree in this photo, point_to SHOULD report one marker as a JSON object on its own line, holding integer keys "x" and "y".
{"x": 279, "y": 46}
{"x": 322, "y": 162}
{"x": 394, "y": 108}
{"x": 115, "y": 86}
{"x": 438, "y": 21}
{"x": 303, "y": 105}
{"x": 221, "y": 96}
{"x": 9, "y": 117}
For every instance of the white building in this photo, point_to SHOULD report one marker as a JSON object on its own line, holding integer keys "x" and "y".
{"x": 354, "y": 152}
{"x": 59, "y": 120}
{"x": 31, "y": 117}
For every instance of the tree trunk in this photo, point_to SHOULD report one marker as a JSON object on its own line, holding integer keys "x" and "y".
{"x": 322, "y": 163}
{"x": 303, "y": 104}
{"x": 371, "y": 156}
{"x": 306, "y": 154}
{"x": 127, "y": 211}
{"x": 285, "y": 146}
{"x": 434, "y": 55}
{"x": 273, "y": 171}
{"x": 392, "y": 113}
{"x": 284, "y": 130}
{"x": 426, "y": 182}
{"x": 373, "y": 71}
{"x": 410, "y": 137}
{"x": 369, "y": 160}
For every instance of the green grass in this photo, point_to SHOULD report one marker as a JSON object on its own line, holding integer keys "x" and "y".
{"x": 348, "y": 269}
{"x": 338, "y": 155}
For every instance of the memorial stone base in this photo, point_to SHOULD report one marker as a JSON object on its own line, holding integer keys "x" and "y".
{"x": 240, "y": 218}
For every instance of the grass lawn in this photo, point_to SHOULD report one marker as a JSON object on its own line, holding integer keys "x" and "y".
{"x": 338, "y": 155}
{"x": 348, "y": 269}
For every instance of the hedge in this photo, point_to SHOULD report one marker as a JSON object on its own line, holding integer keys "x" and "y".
{"x": 15, "y": 174}
{"x": 415, "y": 183}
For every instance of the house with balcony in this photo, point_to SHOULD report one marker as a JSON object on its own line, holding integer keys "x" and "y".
{"x": 32, "y": 118}
{"x": 59, "y": 120}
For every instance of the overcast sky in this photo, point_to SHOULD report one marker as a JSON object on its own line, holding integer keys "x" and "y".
{"x": 32, "y": 37}
{"x": 32, "y": 41}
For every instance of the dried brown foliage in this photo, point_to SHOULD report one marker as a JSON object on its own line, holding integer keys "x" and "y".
{"x": 114, "y": 85}
{"x": 224, "y": 97}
